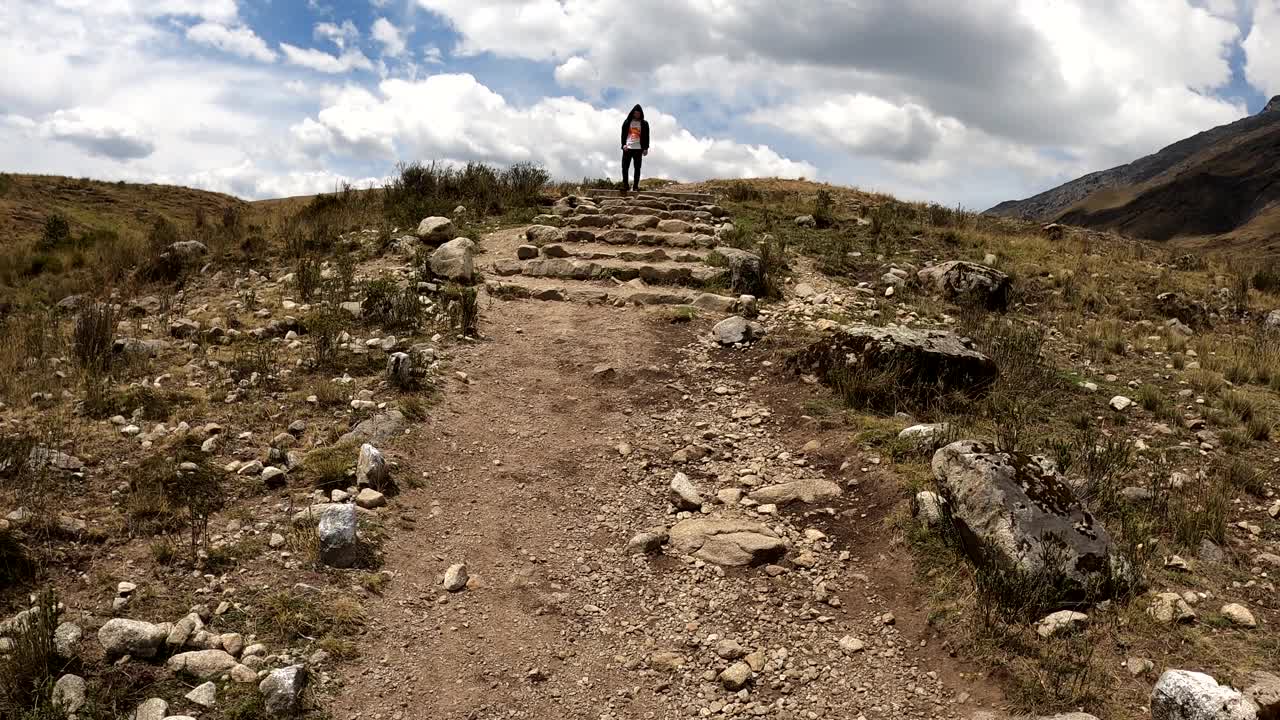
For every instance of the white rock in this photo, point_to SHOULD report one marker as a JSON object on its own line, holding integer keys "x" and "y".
{"x": 1061, "y": 622}
{"x": 1121, "y": 403}
{"x": 455, "y": 578}
{"x": 1186, "y": 695}
{"x": 204, "y": 695}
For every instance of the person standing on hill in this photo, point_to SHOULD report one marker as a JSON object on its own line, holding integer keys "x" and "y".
{"x": 635, "y": 145}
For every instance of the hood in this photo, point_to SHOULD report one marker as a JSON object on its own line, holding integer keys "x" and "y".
{"x": 633, "y": 110}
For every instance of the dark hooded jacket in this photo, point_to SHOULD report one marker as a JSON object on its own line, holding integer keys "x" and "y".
{"x": 644, "y": 128}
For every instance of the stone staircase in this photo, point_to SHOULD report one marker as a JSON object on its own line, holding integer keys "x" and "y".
{"x": 637, "y": 249}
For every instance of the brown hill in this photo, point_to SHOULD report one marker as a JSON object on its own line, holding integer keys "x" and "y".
{"x": 1219, "y": 188}
{"x": 27, "y": 200}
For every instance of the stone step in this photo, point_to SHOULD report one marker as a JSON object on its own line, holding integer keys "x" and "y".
{"x": 627, "y": 211}
{"x": 601, "y": 251}
{"x": 634, "y": 293}
{"x": 545, "y": 235}
{"x": 653, "y": 273}
{"x": 637, "y": 222}
{"x": 690, "y": 197}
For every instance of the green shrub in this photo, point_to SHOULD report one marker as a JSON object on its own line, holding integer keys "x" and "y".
{"x": 56, "y": 232}
{"x": 93, "y": 336}
{"x": 824, "y": 209}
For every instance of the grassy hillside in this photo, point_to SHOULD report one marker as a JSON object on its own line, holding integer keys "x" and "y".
{"x": 106, "y": 226}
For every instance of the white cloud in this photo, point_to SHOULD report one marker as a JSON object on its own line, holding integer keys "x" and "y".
{"x": 340, "y": 35}
{"x": 385, "y": 32}
{"x": 321, "y": 61}
{"x": 1262, "y": 48}
{"x": 455, "y": 117}
{"x": 238, "y": 40}
{"x": 578, "y": 72}
{"x": 1094, "y": 82}
{"x": 98, "y": 132}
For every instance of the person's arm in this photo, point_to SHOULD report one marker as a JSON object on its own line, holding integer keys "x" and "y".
{"x": 625, "y": 123}
{"x": 644, "y": 137}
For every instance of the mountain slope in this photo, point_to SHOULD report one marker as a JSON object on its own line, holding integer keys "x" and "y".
{"x": 26, "y": 200}
{"x": 1221, "y": 182}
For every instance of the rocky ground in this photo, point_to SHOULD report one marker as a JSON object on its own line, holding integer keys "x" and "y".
{"x": 633, "y": 493}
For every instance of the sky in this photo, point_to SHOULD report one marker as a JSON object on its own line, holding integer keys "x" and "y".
{"x": 964, "y": 103}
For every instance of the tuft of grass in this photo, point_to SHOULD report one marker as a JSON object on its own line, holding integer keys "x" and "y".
{"x": 1239, "y": 405}
{"x": 29, "y": 670}
{"x": 1198, "y": 510}
{"x": 463, "y": 309}
{"x": 326, "y": 468}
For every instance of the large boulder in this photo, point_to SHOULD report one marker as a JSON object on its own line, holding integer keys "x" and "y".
{"x": 736, "y": 329}
{"x": 435, "y": 230}
{"x": 727, "y": 542}
{"x": 1016, "y": 512}
{"x": 455, "y": 260}
{"x": 968, "y": 282}
{"x": 282, "y": 690}
{"x": 924, "y": 361}
{"x": 1186, "y": 695}
{"x": 339, "y": 546}
{"x": 1177, "y": 307}
{"x": 378, "y": 429}
{"x": 121, "y": 636}
{"x": 540, "y": 235}
{"x": 189, "y": 252}
{"x": 746, "y": 273}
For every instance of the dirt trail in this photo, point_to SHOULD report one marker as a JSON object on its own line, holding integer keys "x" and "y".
{"x": 536, "y": 472}
{"x": 510, "y": 461}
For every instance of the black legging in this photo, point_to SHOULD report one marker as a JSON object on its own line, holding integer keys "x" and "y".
{"x": 628, "y": 156}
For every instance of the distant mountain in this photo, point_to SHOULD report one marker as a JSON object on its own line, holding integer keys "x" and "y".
{"x": 1222, "y": 183}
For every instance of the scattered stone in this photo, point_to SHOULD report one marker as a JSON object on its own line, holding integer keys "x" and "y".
{"x": 1239, "y": 615}
{"x": 152, "y": 709}
{"x": 65, "y": 639}
{"x": 338, "y": 544}
{"x": 928, "y": 507}
{"x": 455, "y": 260}
{"x": 729, "y": 649}
{"x": 1186, "y": 695}
{"x": 202, "y": 664}
{"x": 1061, "y": 623}
{"x": 1121, "y": 403}
{"x": 527, "y": 252}
{"x": 806, "y": 221}
{"x": 736, "y": 676}
{"x": 274, "y": 478}
{"x": 120, "y": 636}
{"x": 727, "y": 542}
{"x": 1170, "y": 608}
{"x": 370, "y": 499}
{"x": 204, "y": 695}
{"x": 282, "y": 690}
{"x": 455, "y": 578}
{"x": 1264, "y": 691}
{"x": 371, "y": 469}
{"x": 400, "y": 370}
{"x": 803, "y": 491}
{"x": 650, "y": 540}
{"x": 736, "y": 329}
{"x": 435, "y": 230}
{"x": 684, "y": 495}
{"x": 1139, "y": 666}
{"x": 69, "y": 694}
{"x": 851, "y": 645}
